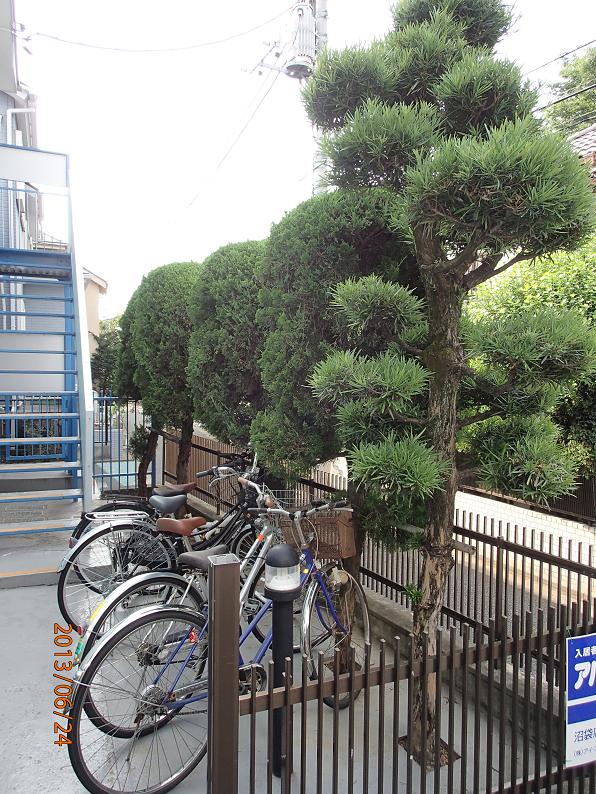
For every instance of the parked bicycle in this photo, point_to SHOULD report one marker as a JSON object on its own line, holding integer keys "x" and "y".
{"x": 120, "y": 506}
{"x": 139, "y": 710}
{"x": 133, "y": 543}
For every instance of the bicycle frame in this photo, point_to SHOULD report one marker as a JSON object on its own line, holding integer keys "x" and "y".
{"x": 310, "y": 571}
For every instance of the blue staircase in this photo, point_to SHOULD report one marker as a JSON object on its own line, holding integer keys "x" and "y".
{"x": 46, "y": 403}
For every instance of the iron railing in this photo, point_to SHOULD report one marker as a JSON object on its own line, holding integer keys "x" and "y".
{"x": 500, "y": 711}
{"x": 498, "y": 569}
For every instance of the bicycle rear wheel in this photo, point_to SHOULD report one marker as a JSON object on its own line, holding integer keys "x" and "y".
{"x": 335, "y": 616}
{"x": 101, "y": 561}
{"x": 136, "y": 689}
{"x": 113, "y": 510}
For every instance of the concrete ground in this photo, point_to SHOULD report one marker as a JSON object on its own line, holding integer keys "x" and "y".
{"x": 32, "y": 764}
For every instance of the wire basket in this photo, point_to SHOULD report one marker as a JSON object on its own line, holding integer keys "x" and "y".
{"x": 330, "y": 534}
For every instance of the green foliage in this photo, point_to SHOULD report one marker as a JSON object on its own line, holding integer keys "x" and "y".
{"x": 138, "y": 441}
{"x": 479, "y": 92}
{"x": 548, "y": 345}
{"x": 521, "y": 456}
{"x": 515, "y": 188}
{"x": 580, "y": 111}
{"x": 354, "y": 75}
{"x": 323, "y": 241}
{"x": 403, "y": 465}
{"x": 565, "y": 281}
{"x": 127, "y": 363}
{"x": 161, "y": 331}
{"x": 413, "y": 592}
{"x": 484, "y": 22}
{"x": 378, "y": 142}
{"x": 420, "y": 54}
{"x": 224, "y": 347}
{"x": 388, "y": 382}
{"x": 104, "y": 361}
{"x": 377, "y": 312}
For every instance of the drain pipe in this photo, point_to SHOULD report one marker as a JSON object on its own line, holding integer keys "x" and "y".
{"x": 12, "y": 224}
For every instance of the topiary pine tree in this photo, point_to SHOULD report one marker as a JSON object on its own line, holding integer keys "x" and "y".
{"x": 160, "y": 335}
{"x": 432, "y": 115}
{"x": 225, "y": 344}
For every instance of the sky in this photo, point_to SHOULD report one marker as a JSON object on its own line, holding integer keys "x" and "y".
{"x": 148, "y": 134}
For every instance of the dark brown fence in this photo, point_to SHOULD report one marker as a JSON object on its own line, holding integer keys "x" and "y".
{"x": 579, "y": 506}
{"x": 498, "y": 569}
{"x": 501, "y": 712}
{"x": 208, "y": 452}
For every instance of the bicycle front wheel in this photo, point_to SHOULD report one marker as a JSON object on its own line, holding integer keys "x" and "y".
{"x": 335, "y": 617}
{"x": 101, "y": 561}
{"x": 145, "y": 689}
{"x": 151, "y": 589}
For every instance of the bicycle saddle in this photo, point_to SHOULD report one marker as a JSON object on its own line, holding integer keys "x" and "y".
{"x": 200, "y": 559}
{"x": 173, "y": 489}
{"x": 183, "y": 526}
{"x": 167, "y": 504}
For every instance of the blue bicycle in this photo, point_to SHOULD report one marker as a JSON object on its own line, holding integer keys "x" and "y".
{"x": 139, "y": 710}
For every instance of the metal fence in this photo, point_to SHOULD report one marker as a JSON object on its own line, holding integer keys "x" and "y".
{"x": 115, "y": 421}
{"x": 498, "y": 569}
{"x": 208, "y": 452}
{"x": 500, "y": 708}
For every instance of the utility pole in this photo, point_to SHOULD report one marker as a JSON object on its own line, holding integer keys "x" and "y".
{"x": 309, "y": 40}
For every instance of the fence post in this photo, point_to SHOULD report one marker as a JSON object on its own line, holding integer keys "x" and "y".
{"x": 223, "y": 714}
{"x": 499, "y": 592}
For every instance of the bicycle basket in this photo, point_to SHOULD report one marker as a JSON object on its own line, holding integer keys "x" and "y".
{"x": 333, "y": 534}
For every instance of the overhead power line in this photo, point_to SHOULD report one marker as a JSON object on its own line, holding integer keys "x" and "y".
{"x": 560, "y": 57}
{"x": 568, "y": 96}
{"x": 134, "y": 50}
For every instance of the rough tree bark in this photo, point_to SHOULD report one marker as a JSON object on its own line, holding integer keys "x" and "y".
{"x": 444, "y": 356}
{"x": 145, "y": 462}
{"x": 184, "y": 449}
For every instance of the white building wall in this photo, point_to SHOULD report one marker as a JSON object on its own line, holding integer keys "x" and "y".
{"x": 470, "y": 506}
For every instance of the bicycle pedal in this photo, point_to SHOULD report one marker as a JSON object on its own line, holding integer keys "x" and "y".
{"x": 245, "y": 678}
{"x": 251, "y": 607}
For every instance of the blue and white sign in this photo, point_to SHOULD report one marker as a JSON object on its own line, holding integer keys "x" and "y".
{"x": 581, "y": 700}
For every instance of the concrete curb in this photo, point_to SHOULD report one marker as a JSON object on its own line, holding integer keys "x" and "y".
{"x": 32, "y": 578}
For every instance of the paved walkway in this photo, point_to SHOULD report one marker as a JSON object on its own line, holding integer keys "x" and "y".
{"x": 32, "y": 764}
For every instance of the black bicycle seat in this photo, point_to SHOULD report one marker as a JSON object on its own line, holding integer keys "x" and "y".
{"x": 167, "y": 504}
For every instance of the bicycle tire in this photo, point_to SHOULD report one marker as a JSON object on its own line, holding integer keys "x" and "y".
{"x": 135, "y": 552}
{"x": 159, "y": 588}
{"x": 318, "y": 624}
{"x": 144, "y": 716}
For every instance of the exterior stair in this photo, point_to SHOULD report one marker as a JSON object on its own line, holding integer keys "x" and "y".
{"x": 46, "y": 403}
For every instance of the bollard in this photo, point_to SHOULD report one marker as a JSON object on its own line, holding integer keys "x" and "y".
{"x": 223, "y": 715}
{"x": 282, "y": 586}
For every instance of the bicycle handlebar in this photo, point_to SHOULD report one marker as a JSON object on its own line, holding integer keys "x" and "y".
{"x": 292, "y": 514}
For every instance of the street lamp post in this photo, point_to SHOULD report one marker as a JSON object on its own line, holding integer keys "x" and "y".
{"x": 282, "y": 586}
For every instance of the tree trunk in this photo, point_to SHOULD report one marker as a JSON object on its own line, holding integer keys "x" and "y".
{"x": 145, "y": 461}
{"x": 184, "y": 449}
{"x": 443, "y": 356}
{"x": 355, "y": 498}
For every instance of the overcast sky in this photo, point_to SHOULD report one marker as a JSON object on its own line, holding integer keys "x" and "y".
{"x": 145, "y": 132}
